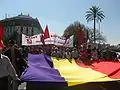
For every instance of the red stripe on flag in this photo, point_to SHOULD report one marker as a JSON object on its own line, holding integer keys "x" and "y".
{"x": 111, "y": 69}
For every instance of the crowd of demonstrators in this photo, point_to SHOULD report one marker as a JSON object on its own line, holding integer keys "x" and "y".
{"x": 108, "y": 55}
{"x": 83, "y": 53}
{"x": 15, "y": 60}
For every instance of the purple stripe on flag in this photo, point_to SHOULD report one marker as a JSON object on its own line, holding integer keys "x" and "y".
{"x": 49, "y": 60}
{"x": 39, "y": 70}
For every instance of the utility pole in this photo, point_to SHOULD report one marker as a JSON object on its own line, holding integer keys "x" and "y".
{"x": 99, "y": 34}
{"x": 5, "y": 15}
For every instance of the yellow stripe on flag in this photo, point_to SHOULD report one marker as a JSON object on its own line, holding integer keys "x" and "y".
{"x": 74, "y": 74}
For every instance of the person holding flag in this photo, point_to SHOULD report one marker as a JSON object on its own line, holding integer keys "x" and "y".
{"x": 6, "y": 68}
{"x": 43, "y": 37}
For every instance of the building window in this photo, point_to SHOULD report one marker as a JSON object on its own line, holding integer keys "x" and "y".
{"x": 9, "y": 31}
{"x": 29, "y": 31}
{"x": 25, "y": 30}
{"x": 35, "y": 31}
{"x": 12, "y": 29}
{"x": 5, "y": 29}
{"x": 18, "y": 29}
{"x": 32, "y": 31}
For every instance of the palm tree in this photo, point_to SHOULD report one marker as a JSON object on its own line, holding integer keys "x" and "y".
{"x": 94, "y": 14}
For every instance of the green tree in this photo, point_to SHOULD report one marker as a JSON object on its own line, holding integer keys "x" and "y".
{"x": 72, "y": 29}
{"x": 99, "y": 36}
{"x": 95, "y": 14}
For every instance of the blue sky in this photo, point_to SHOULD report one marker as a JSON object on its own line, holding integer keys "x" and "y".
{"x": 58, "y": 14}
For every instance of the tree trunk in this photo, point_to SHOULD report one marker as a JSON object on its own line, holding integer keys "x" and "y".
{"x": 94, "y": 31}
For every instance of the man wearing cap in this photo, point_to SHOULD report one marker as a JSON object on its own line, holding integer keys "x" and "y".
{"x": 6, "y": 69}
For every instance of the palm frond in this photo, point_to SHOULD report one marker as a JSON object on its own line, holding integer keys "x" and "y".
{"x": 98, "y": 19}
{"x": 95, "y": 13}
{"x": 100, "y": 12}
{"x": 98, "y": 8}
{"x": 89, "y": 19}
{"x": 100, "y": 16}
{"x": 92, "y": 10}
{"x": 88, "y": 15}
{"x": 89, "y": 12}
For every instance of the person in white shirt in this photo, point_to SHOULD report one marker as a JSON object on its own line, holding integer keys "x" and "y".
{"x": 6, "y": 69}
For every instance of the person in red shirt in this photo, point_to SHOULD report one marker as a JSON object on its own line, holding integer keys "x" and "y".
{"x": 86, "y": 55}
{"x": 83, "y": 53}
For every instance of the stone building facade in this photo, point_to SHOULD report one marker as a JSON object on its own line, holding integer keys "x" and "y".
{"x": 21, "y": 24}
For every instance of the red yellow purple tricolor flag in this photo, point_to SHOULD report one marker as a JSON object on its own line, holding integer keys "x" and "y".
{"x": 43, "y": 68}
{"x": 76, "y": 72}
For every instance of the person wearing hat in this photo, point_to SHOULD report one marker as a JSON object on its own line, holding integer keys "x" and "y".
{"x": 6, "y": 69}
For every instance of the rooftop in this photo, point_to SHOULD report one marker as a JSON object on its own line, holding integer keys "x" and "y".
{"x": 21, "y": 16}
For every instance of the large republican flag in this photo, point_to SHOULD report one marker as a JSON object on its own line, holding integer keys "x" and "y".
{"x": 46, "y": 69}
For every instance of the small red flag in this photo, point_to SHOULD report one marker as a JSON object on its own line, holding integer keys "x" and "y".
{"x": 1, "y": 35}
{"x": 1, "y": 31}
{"x": 80, "y": 37}
{"x": 46, "y": 33}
